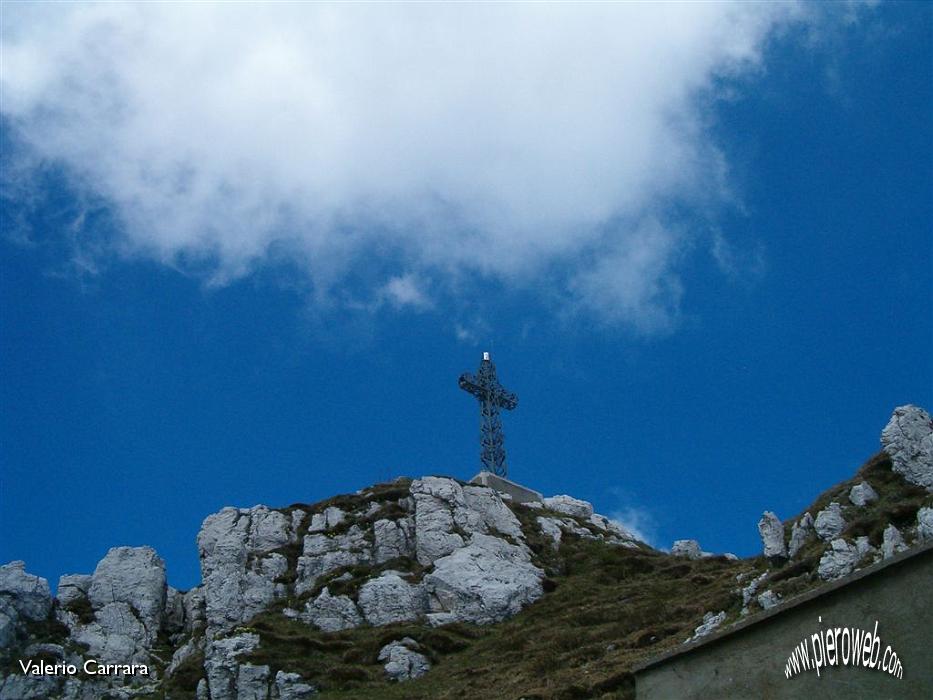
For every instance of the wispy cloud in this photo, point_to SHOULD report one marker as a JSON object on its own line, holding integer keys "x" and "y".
{"x": 639, "y": 522}
{"x": 505, "y": 140}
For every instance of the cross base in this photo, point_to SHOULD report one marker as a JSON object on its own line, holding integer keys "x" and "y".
{"x": 519, "y": 493}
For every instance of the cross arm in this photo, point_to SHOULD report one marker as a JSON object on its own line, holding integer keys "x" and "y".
{"x": 507, "y": 400}
{"x": 468, "y": 383}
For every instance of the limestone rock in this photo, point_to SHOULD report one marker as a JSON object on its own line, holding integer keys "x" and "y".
{"x": 182, "y": 654}
{"x": 252, "y": 682}
{"x": 403, "y": 662}
{"x": 801, "y": 532}
{"x": 772, "y": 535}
{"x": 222, "y": 667}
{"x": 195, "y": 610}
{"x": 768, "y": 599}
{"x": 325, "y": 553}
{"x": 862, "y": 494}
{"x": 569, "y": 506}
{"x": 494, "y": 515}
{"x": 239, "y": 568}
{"x": 18, "y": 687}
{"x": 437, "y": 500}
{"x": 291, "y": 686}
{"x": 116, "y": 635}
{"x": 393, "y": 539}
{"x": 748, "y": 593}
{"x": 331, "y": 613}
{"x": 27, "y": 594}
{"x": 330, "y": 518}
{"x": 484, "y": 582}
{"x": 908, "y": 439}
{"x": 550, "y": 527}
{"x": 925, "y": 523}
{"x": 135, "y": 576}
{"x": 72, "y": 587}
{"x": 389, "y": 598}
{"x": 611, "y": 527}
{"x": 839, "y": 560}
{"x": 688, "y": 548}
{"x": 892, "y": 543}
{"x": 829, "y": 522}
{"x": 710, "y": 622}
{"x": 23, "y": 597}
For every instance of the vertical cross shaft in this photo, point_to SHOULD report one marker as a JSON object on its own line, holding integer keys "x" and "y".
{"x": 491, "y": 396}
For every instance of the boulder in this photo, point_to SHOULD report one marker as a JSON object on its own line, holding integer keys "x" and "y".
{"x": 291, "y": 686}
{"x": 484, "y": 582}
{"x": 768, "y": 599}
{"x": 390, "y": 598}
{"x": 862, "y": 494}
{"x": 801, "y": 532}
{"x": 688, "y": 548}
{"x": 569, "y": 506}
{"x": 908, "y": 439}
{"x": 72, "y": 588}
{"x": 331, "y": 613}
{"x": 892, "y": 542}
{"x": 772, "y": 535}
{"x": 403, "y": 661}
{"x": 710, "y": 622}
{"x": 839, "y": 560}
{"x": 829, "y": 522}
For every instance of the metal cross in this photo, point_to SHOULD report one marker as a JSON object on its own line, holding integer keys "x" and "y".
{"x": 492, "y": 396}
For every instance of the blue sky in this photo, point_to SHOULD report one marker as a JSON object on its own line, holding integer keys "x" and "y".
{"x": 697, "y": 240}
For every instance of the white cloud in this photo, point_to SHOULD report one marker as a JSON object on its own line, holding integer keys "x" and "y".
{"x": 455, "y": 138}
{"x": 405, "y": 290}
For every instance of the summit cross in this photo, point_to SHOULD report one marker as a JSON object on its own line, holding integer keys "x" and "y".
{"x": 492, "y": 396}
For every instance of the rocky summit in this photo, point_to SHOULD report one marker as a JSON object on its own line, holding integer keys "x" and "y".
{"x": 432, "y": 588}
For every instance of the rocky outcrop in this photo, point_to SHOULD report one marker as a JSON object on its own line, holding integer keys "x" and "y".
{"x": 240, "y": 566}
{"x": 710, "y": 622}
{"x": 688, "y": 548}
{"x": 332, "y": 613}
{"x": 772, "y": 535}
{"x": 133, "y": 577}
{"x": 862, "y": 494}
{"x": 841, "y": 558}
{"x": 768, "y": 599}
{"x": 569, "y": 506}
{"x": 829, "y": 522}
{"x": 403, "y": 661}
{"x": 483, "y": 582}
{"x": 908, "y": 439}
{"x": 801, "y": 532}
{"x": 23, "y": 597}
{"x": 390, "y": 598}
